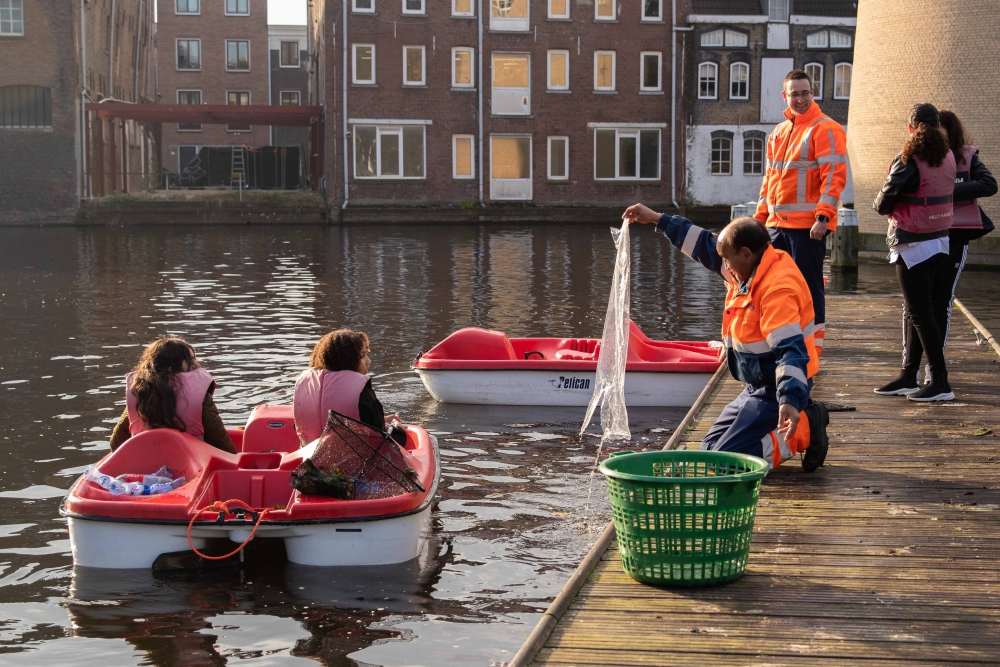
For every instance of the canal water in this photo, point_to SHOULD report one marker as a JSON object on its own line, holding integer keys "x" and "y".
{"x": 512, "y": 518}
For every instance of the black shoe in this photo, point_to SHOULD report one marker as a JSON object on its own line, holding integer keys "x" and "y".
{"x": 904, "y": 385}
{"x": 819, "y": 443}
{"x": 937, "y": 390}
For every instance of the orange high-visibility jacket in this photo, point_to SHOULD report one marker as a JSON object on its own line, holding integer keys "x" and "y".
{"x": 806, "y": 171}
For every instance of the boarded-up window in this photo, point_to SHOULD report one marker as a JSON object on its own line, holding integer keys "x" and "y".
{"x": 25, "y": 108}
{"x": 511, "y": 157}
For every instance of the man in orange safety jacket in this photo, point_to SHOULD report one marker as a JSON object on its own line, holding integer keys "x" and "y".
{"x": 806, "y": 172}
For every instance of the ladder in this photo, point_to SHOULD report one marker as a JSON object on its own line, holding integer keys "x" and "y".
{"x": 238, "y": 176}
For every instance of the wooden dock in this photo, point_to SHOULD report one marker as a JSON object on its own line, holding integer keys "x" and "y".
{"x": 889, "y": 554}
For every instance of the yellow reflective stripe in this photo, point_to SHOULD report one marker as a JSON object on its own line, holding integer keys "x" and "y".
{"x": 690, "y": 240}
{"x": 760, "y": 347}
{"x": 832, "y": 157}
{"x": 791, "y": 208}
{"x": 783, "y": 332}
{"x": 790, "y": 372}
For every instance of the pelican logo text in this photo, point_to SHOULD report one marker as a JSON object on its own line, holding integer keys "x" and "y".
{"x": 276, "y": 424}
{"x": 571, "y": 383}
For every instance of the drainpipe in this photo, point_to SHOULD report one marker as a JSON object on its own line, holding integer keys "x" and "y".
{"x": 673, "y": 100}
{"x": 270, "y": 90}
{"x": 343, "y": 39}
{"x": 481, "y": 84}
{"x": 83, "y": 102}
{"x": 135, "y": 74}
{"x": 111, "y": 54}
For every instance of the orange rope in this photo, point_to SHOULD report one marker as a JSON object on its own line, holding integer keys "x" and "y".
{"x": 219, "y": 506}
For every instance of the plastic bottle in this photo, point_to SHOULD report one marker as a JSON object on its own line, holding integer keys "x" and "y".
{"x": 157, "y": 489}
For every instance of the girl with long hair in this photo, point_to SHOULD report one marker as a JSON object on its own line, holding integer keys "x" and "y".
{"x": 168, "y": 388}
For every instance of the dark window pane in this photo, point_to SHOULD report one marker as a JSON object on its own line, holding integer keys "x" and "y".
{"x": 604, "y": 154}
{"x": 651, "y": 9}
{"x": 557, "y": 158}
{"x": 388, "y": 157}
{"x": 413, "y": 152}
{"x": 649, "y": 154}
{"x": 364, "y": 151}
{"x": 650, "y": 71}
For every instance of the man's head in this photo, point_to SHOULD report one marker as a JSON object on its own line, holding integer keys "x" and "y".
{"x": 797, "y": 92}
{"x": 741, "y": 244}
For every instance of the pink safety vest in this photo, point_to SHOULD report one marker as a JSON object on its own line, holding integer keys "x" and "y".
{"x": 929, "y": 209}
{"x": 317, "y": 391}
{"x": 967, "y": 214}
{"x": 189, "y": 388}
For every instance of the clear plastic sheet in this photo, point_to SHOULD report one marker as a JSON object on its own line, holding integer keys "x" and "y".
{"x": 609, "y": 387}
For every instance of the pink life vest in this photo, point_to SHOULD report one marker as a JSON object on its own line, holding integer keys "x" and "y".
{"x": 189, "y": 388}
{"x": 929, "y": 209}
{"x": 317, "y": 391}
{"x": 967, "y": 214}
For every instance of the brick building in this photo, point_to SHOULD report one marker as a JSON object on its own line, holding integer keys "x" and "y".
{"x": 45, "y": 48}
{"x": 739, "y": 53}
{"x": 289, "y": 82}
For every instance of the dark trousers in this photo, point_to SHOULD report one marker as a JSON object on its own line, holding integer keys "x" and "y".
{"x": 950, "y": 274}
{"x": 927, "y": 289}
{"x": 808, "y": 254}
{"x": 743, "y": 423}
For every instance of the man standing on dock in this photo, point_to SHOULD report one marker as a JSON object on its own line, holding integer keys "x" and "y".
{"x": 806, "y": 172}
{"x": 767, "y": 328}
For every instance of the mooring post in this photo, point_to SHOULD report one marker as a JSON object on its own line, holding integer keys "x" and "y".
{"x": 844, "y": 241}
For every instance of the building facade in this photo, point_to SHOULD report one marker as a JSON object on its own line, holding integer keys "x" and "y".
{"x": 288, "y": 47}
{"x": 739, "y": 53}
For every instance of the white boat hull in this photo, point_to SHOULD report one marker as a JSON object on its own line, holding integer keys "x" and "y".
{"x": 555, "y": 388}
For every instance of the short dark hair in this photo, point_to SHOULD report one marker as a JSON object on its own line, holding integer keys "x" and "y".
{"x": 747, "y": 233}
{"x": 339, "y": 350}
{"x": 794, "y": 75}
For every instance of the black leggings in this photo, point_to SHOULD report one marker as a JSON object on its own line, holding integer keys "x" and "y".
{"x": 926, "y": 295}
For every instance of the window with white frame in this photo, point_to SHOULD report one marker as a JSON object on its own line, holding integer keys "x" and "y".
{"x": 511, "y": 84}
{"x": 708, "y": 81}
{"x": 842, "y": 81}
{"x": 364, "y": 64}
{"x": 382, "y": 151}
{"x": 189, "y": 97}
{"x": 180, "y": 6}
{"x": 414, "y": 7}
{"x": 289, "y": 54}
{"x": 462, "y": 8}
{"x": 753, "y": 153}
{"x": 777, "y": 10}
{"x": 558, "y": 9}
{"x": 558, "y": 70}
{"x": 558, "y": 158}
{"x": 722, "y": 155}
{"x": 604, "y": 10}
{"x": 818, "y": 40}
{"x": 510, "y": 167}
{"x": 815, "y": 72}
{"x": 462, "y": 73}
{"x": 839, "y": 40}
{"x": 363, "y": 6}
{"x": 12, "y": 18}
{"x": 290, "y": 98}
{"x": 414, "y": 62}
{"x": 652, "y": 10}
{"x": 237, "y": 55}
{"x": 509, "y": 15}
{"x": 238, "y": 98}
{"x": 604, "y": 70}
{"x": 463, "y": 154}
{"x": 650, "y": 68}
{"x": 712, "y": 39}
{"x": 626, "y": 154}
{"x": 189, "y": 54}
{"x": 739, "y": 81}
{"x": 736, "y": 39}
{"x": 238, "y": 7}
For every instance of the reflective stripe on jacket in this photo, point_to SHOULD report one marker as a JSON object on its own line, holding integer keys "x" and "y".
{"x": 317, "y": 391}
{"x": 806, "y": 171}
{"x": 768, "y": 330}
{"x": 189, "y": 394}
{"x": 966, "y": 213}
{"x": 929, "y": 209}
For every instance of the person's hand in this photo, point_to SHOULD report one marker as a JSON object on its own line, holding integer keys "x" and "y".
{"x": 818, "y": 230}
{"x": 391, "y": 418}
{"x": 788, "y": 420}
{"x": 640, "y": 213}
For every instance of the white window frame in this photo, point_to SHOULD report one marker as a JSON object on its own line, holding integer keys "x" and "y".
{"x": 817, "y": 83}
{"x": 177, "y": 41}
{"x": 824, "y": 40}
{"x": 389, "y": 129}
{"x": 658, "y": 17}
{"x": 732, "y": 70}
{"x": 836, "y": 70}
{"x": 499, "y": 90}
{"x": 708, "y": 39}
{"x": 357, "y": 10}
{"x": 201, "y": 96}
{"x": 614, "y": 68}
{"x": 711, "y": 161}
{"x": 472, "y": 67}
{"x": 629, "y": 132}
{"x": 354, "y": 66}
{"x": 715, "y": 77}
{"x": 455, "y": 12}
{"x": 511, "y": 24}
{"x": 553, "y": 15}
{"x": 565, "y": 176}
{"x": 454, "y": 156}
{"x": 12, "y": 22}
{"x": 614, "y": 11}
{"x": 249, "y": 102}
{"x": 548, "y": 69}
{"x": 777, "y": 11}
{"x": 197, "y": 13}
{"x": 527, "y": 183}
{"x": 412, "y": 12}
{"x": 850, "y": 40}
{"x": 228, "y": 13}
{"x": 237, "y": 41}
{"x": 730, "y": 44}
{"x": 642, "y": 71}
{"x": 289, "y": 92}
{"x": 423, "y": 65}
{"x": 298, "y": 53}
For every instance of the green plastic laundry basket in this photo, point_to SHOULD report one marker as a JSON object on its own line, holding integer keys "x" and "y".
{"x": 684, "y": 518}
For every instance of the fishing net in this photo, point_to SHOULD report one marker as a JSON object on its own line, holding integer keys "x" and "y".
{"x": 354, "y": 461}
{"x": 609, "y": 387}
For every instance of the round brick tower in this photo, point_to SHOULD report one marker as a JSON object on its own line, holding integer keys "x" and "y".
{"x": 938, "y": 51}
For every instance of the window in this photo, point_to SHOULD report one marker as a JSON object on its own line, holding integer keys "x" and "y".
{"x": 708, "y": 77}
{"x": 604, "y": 10}
{"x": 649, "y": 71}
{"x": 815, "y": 72}
{"x": 739, "y": 81}
{"x": 651, "y": 10}
{"x": 11, "y": 18}
{"x": 414, "y": 7}
{"x": 722, "y": 155}
{"x": 818, "y": 40}
{"x": 753, "y": 154}
{"x": 238, "y": 7}
{"x": 413, "y": 66}
{"x": 713, "y": 38}
{"x": 839, "y": 40}
{"x": 237, "y": 55}
{"x": 182, "y": 6}
{"x": 289, "y": 54}
{"x": 558, "y": 70}
{"x": 736, "y": 39}
{"x": 289, "y": 98}
{"x": 604, "y": 70}
{"x": 25, "y": 108}
{"x": 511, "y": 84}
{"x": 462, "y": 156}
{"x": 558, "y": 9}
{"x": 364, "y": 6}
{"x": 462, "y": 8}
{"x": 462, "y": 75}
{"x": 777, "y": 10}
{"x": 238, "y": 98}
{"x": 626, "y": 154}
{"x": 842, "y": 81}
{"x": 510, "y": 168}
{"x": 509, "y": 15}
{"x": 364, "y": 63}
{"x": 558, "y": 158}
{"x": 388, "y": 152}
{"x": 189, "y": 54}
{"x": 189, "y": 97}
